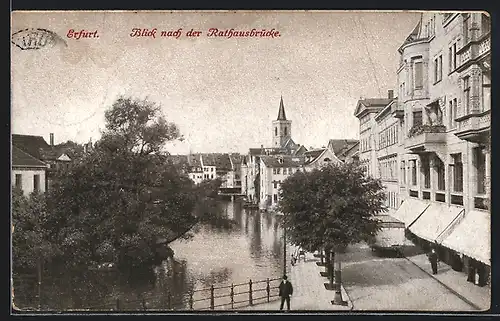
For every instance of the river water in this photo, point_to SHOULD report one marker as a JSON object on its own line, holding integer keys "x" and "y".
{"x": 214, "y": 256}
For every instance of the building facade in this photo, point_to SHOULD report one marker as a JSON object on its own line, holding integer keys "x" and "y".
{"x": 28, "y": 173}
{"x": 273, "y": 171}
{"x": 431, "y": 146}
{"x": 282, "y": 144}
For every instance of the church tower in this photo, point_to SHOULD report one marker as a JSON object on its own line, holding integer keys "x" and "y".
{"x": 282, "y": 128}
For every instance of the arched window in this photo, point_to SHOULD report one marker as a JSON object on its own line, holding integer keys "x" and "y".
{"x": 275, "y": 131}
{"x": 286, "y": 131}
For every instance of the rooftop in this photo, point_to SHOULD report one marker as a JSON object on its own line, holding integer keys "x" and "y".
{"x": 20, "y": 158}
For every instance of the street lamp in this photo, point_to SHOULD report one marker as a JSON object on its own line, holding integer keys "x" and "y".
{"x": 284, "y": 247}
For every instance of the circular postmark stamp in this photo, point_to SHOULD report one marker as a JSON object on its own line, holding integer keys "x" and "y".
{"x": 36, "y": 38}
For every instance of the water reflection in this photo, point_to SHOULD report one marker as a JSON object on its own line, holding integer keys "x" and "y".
{"x": 216, "y": 255}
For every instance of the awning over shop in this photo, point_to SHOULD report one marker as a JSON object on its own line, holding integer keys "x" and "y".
{"x": 436, "y": 219}
{"x": 472, "y": 236}
{"x": 387, "y": 221}
{"x": 410, "y": 210}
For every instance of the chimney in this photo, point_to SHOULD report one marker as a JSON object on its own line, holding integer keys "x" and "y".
{"x": 390, "y": 94}
{"x": 51, "y": 139}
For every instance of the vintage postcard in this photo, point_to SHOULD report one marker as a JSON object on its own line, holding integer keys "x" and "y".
{"x": 218, "y": 161}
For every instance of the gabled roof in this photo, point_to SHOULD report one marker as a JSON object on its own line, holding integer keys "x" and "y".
{"x": 30, "y": 144}
{"x": 370, "y": 105}
{"x": 338, "y": 146}
{"x": 283, "y": 161}
{"x": 314, "y": 153}
{"x": 54, "y": 154}
{"x": 289, "y": 144}
{"x": 300, "y": 151}
{"x": 385, "y": 110}
{"x": 20, "y": 158}
{"x": 349, "y": 152}
{"x": 281, "y": 112}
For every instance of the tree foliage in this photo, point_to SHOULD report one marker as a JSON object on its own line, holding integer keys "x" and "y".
{"x": 117, "y": 201}
{"x": 30, "y": 226}
{"x": 331, "y": 207}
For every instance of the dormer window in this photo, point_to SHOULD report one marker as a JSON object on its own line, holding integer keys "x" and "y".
{"x": 327, "y": 160}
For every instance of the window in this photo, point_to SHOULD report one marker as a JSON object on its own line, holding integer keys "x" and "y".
{"x": 440, "y": 68}
{"x": 486, "y": 91}
{"x": 278, "y": 170}
{"x": 275, "y": 184}
{"x": 457, "y": 172}
{"x": 426, "y": 171}
{"x": 435, "y": 70}
{"x": 403, "y": 172}
{"x": 466, "y": 28}
{"x": 417, "y": 118}
{"x": 275, "y": 131}
{"x": 274, "y": 170}
{"x": 452, "y": 58}
{"x": 466, "y": 81}
{"x": 485, "y": 24}
{"x": 19, "y": 181}
{"x": 275, "y": 196}
{"x": 418, "y": 75}
{"x": 413, "y": 164}
{"x": 480, "y": 160}
{"x": 36, "y": 183}
{"x": 440, "y": 174}
{"x": 453, "y": 112}
{"x": 286, "y": 131}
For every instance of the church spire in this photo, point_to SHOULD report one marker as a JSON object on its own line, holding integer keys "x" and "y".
{"x": 281, "y": 113}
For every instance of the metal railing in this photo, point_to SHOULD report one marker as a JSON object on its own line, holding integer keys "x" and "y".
{"x": 226, "y": 297}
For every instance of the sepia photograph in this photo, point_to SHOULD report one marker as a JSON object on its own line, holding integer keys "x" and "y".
{"x": 250, "y": 161}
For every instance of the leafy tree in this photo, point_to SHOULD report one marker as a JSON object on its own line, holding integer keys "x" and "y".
{"x": 117, "y": 201}
{"x": 30, "y": 225}
{"x": 330, "y": 208}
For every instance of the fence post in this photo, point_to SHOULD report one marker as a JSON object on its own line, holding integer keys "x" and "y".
{"x": 250, "y": 301}
{"x": 169, "y": 301}
{"x": 212, "y": 297}
{"x": 191, "y": 300}
{"x": 268, "y": 289}
{"x": 117, "y": 304}
{"x": 232, "y": 296}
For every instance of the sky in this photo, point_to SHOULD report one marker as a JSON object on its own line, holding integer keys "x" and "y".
{"x": 222, "y": 93}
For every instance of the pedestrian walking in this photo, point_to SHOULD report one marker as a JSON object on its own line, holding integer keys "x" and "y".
{"x": 286, "y": 291}
{"x": 433, "y": 258}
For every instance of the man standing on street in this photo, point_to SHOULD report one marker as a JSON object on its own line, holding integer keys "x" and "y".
{"x": 286, "y": 290}
{"x": 433, "y": 258}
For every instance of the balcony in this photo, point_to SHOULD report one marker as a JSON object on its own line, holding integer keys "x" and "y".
{"x": 423, "y": 139}
{"x": 397, "y": 110}
{"x": 474, "y": 50}
{"x": 474, "y": 127}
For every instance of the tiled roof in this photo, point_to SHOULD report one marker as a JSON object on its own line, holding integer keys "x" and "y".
{"x": 314, "y": 153}
{"x": 178, "y": 159}
{"x": 338, "y": 146}
{"x": 30, "y": 144}
{"x": 20, "y": 158}
{"x": 287, "y": 161}
{"x": 52, "y": 153}
{"x": 257, "y": 151}
{"x": 194, "y": 159}
{"x": 373, "y": 102}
